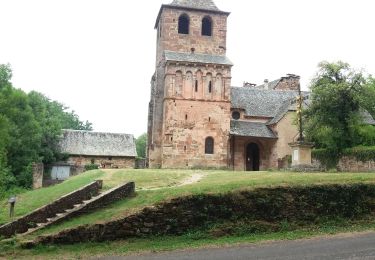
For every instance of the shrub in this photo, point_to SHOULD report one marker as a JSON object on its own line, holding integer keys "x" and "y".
{"x": 89, "y": 167}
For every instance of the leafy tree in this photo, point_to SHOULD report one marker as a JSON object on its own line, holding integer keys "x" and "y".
{"x": 5, "y": 75}
{"x": 30, "y": 127}
{"x": 333, "y": 119}
{"x": 367, "y": 98}
{"x": 141, "y": 143}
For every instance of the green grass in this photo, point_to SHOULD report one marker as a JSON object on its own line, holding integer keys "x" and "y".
{"x": 33, "y": 199}
{"x": 157, "y": 185}
{"x": 167, "y": 243}
{"x": 212, "y": 182}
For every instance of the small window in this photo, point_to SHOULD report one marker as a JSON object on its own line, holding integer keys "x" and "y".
{"x": 186, "y": 117}
{"x": 183, "y": 24}
{"x": 209, "y": 146}
{"x": 210, "y": 86}
{"x": 196, "y": 86}
{"x": 207, "y": 26}
{"x": 110, "y": 158}
{"x": 236, "y": 115}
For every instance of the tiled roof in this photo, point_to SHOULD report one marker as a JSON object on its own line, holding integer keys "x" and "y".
{"x": 260, "y": 102}
{"x": 196, "y": 4}
{"x": 245, "y": 128}
{"x": 95, "y": 143}
{"x": 195, "y": 57}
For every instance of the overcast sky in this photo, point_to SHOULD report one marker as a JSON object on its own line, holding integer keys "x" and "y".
{"x": 97, "y": 56}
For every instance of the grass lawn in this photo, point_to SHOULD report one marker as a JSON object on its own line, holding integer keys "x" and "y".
{"x": 157, "y": 185}
{"x": 33, "y": 199}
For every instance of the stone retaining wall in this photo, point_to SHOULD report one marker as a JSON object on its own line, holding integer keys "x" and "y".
{"x": 104, "y": 199}
{"x": 300, "y": 204}
{"x": 350, "y": 164}
{"x": 40, "y": 215}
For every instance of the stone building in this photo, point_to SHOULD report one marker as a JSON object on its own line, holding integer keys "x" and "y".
{"x": 108, "y": 150}
{"x": 196, "y": 118}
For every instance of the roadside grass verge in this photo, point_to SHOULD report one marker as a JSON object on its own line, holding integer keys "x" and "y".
{"x": 194, "y": 239}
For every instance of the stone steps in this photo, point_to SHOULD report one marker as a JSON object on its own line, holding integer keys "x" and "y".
{"x": 86, "y": 206}
{"x": 47, "y": 213}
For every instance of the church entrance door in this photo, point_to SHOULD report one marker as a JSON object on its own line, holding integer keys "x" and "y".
{"x": 252, "y": 157}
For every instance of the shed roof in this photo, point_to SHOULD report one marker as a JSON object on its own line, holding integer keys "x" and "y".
{"x": 245, "y": 128}
{"x": 78, "y": 142}
{"x": 196, "y": 57}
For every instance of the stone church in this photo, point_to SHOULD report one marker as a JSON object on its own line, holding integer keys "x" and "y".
{"x": 196, "y": 118}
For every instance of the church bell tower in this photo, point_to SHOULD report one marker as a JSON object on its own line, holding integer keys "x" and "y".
{"x": 189, "y": 109}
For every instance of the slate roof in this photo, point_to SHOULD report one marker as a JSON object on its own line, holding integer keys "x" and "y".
{"x": 77, "y": 142}
{"x": 245, "y": 128}
{"x": 260, "y": 102}
{"x": 196, "y": 57}
{"x": 196, "y": 4}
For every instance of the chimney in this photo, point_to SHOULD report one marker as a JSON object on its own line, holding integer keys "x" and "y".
{"x": 266, "y": 84}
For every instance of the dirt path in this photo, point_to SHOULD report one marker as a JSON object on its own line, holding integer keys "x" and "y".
{"x": 196, "y": 177}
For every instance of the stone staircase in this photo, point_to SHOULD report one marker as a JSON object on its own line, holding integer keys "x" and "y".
{"x": 66, "y": 207}
{"x": 99, "y": 201}
{"x": 59, "y": 217}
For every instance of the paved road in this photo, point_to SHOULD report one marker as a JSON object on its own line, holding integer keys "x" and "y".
{"x": 347, "y": 246}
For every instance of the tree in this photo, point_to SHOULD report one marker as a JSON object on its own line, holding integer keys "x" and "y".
{"x": 30, "y": 128}
{"x": 141, "y": 143}
{"x": 333, "y": 119}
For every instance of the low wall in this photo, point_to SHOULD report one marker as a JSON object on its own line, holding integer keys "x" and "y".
{"x": 300, "y": 204}
{"x": 104, "y": 199}
{"x": 40, "y": 215}
{"x": 350, "y": 164}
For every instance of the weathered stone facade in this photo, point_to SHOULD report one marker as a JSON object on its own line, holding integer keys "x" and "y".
{"x": 80, "y": 161}
{"x": 190, "y": 91}
{"x": 196, "y": 118}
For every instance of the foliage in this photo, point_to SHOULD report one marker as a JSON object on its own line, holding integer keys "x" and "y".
{"x": 92, "y": 166}
{"x": 368, "y": 96}
{"x": 30, "y": 126}
{"x": 334, "y": 111}
{"x": 334, "y": 119}
{"x": 141, "y": 143}
{"x": 361, "y": 153}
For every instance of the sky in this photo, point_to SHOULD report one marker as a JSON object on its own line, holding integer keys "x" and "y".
{"x": 97, "y": 56}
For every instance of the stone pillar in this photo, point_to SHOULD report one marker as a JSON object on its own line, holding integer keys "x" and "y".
{"x": 38, "y": 169}
{"x": 301, "y": 154}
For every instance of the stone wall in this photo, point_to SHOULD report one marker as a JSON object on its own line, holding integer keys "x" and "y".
{"x": 104, "y": 199}
{"x": 273, "y": 205}
{"x": 38, "y": 170}
{"x": 349, "y": 164}
{"x": 170, "y": 39}
{"x": 290, "y": 82}
{"x": 103, "y": 161}
{"x": 40, "y": 215}
{"x": 240, "y": 144}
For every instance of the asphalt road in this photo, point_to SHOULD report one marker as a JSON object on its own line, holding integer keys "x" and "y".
{"x": 345, "y": 246}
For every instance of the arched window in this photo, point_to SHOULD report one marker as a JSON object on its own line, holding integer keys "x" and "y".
{"x": 209, "y": 146}
{"x": 183, "y": 24}
{"x": 207, "y": 26}
{"x": 210, "y": 86}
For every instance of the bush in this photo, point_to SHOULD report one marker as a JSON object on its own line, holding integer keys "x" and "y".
{"x": 89, "y": 167}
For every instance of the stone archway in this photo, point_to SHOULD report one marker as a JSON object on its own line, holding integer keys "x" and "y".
{"x": 252, "y": 157}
